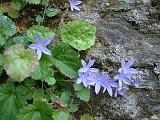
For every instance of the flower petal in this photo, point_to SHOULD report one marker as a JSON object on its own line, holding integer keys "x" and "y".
{"x": 46, "y": 51}
{"x": 97, "y": 88}
{"x": 79, "y": 81}
{"x": 136, "y": 81}
{"x": 113, "y": 83}
{"x": 123, "y": 64}
{"x": 38, "y": 38}
{"x": 77, "y": 2}
{"x": 75, "y": 7}
{"x": 46, "y": 42}
{"x": 120, "y": 83}
{"x": 130, "y": 71}
{"x": 130, "y": 63}
{"x": 90, "y": 64}
{"x": 84, "y": 64}
{"x": 39, "y": 53}
{"x": 109, "y": 89}
{"x": 33, "y": 46}
{"x": 126, "y": 81}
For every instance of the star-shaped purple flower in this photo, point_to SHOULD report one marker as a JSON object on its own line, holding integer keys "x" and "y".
{"x": 120, "y": 91}
{"x": 74, "y": 4}
{"x": 125, "y": 72}
{"x": 126, "y": 67}
{"x": 136, "y": 82}
{"x": 86, "y": 67}
{"x": 108, "y": 84}
{"x": 86, "y": 73}
{"x": 40, "y": 46}
{"x": 122, "y": 78}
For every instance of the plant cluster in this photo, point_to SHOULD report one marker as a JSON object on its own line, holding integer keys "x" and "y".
{"x": 41, "y": 78}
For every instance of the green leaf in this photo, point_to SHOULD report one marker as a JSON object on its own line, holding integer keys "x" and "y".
{"x": 45, "y": 2}
{"x": 1, "y": 70}
{"x": 44, "y": 32}
{"x": 39, "y": 95}
{"x": 39, "y": 19}
{"x": 29, "y": 82}
{"x": 82, "y": 92}
{"x": 61, "y": 114}
{"x": 73, "y": 107}
{"x": 66, "y": 60}
{"x": 33, "y": 1}
{"x": 44, "y": 71}
{"x": 19, "y": 62}
{"x": 86, "y": 117}
{"x": 1, "y": 60}
{"x": 37, "y": 74}
{"x": 37, "y": 111}
{"x": 21, "y": 39}
{"x": 64, "y": 98}
{"x": 16, "y": 5}
{"x": 52, "y": 12}
{"x": 11, "y": 99}
{"x": 79, "y": 34}
{"x": 7, "y": 29}
{"x": 13, "y": 13}
{"x": 1, "y": 11}
{"x": 50, "y": 81}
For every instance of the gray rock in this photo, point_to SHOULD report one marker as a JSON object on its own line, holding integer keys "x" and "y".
{"x": 118, "y": 37}
{"x": 119, "y": 5}
{"x": 136, "y": 104}
{"x": 145, "y": 18}
{"x": 157, "y": 68}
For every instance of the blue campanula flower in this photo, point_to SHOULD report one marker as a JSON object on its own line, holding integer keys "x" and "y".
{"x": 40, "y": 46}
{"x": 122, "y": 78}
{"x": 74, "y": 4}
{"x": 107, "y": 84}
{"x": 136, "y": 82}
{"x": 92, "y": 77}
{"x": 85, "y": 67}
{"x": 126, "y": 67}
{"x": 120, "y": 91}
{"x": 86, "y": 72}
{"x": 125, "y": 72}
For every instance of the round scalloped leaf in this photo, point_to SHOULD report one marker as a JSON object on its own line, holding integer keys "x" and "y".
{"x": 7, "y": 28}
{"x": 33, "y": 1}
{"x": 79, "y": 34}
{"x": 19, "y": 62}
{"x": 44, "y": 32}
{"x": 61, "y": 114}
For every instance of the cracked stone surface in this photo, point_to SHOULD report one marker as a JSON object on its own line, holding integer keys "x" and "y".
{"x": 129, "y": 29}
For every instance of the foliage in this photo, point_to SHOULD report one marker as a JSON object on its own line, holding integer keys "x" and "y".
{"x": 44, "y": 71}
{"x": 33, "y": 1}
{"x": 79, "y": 34}
{"x": 21, "y": 39}
{"x": 82, "y": 92}
{"x": 73, "y": 107}
{"x": 11, "y": 99}
{"x": 44, "y": 32}
{"x": 19, "y": 62}
{"x": 7, "y": 29}
{"x": 86, "y": 117}
{"x": 63, "y": 57}
{"x": 13, "y": 13}
{"x": 38, "y": 111}
{"x": 39, "y": 19}
{"x": 61, "y": 114}
{"x": 50, "y": 12}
